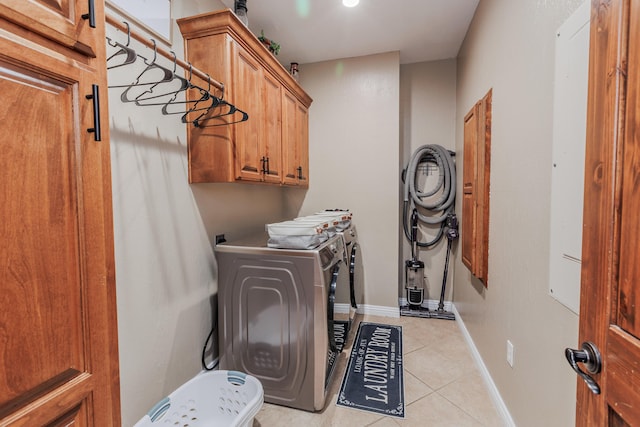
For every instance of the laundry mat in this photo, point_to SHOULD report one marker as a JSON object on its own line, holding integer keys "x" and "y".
{"x": 374, "y": 377}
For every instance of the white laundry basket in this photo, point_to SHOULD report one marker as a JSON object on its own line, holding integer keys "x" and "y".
{"x": 210, "y": 399}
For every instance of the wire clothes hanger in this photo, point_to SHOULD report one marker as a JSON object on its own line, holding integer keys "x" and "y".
{"x": 240, "y": 116}
{"x": 184, "y": 84}
{"x": 166, "y": 76}
{"x": 205, "y": 95}
{"x": 205, "y": 117}
{"x": 130, "y": 54}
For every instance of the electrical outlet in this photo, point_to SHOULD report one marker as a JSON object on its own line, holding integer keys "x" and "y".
{"x": 510, "y": 353}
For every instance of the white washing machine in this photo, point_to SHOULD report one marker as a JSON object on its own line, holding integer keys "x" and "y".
{"x": 275, "y": 316}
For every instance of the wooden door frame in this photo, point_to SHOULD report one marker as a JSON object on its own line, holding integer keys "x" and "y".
{"x": 601, "y": 228}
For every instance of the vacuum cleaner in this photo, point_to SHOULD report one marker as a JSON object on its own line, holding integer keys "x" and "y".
{"x": 438, "y": 205}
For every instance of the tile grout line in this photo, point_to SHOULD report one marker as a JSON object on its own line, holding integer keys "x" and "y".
{"x": 461, "y": 408}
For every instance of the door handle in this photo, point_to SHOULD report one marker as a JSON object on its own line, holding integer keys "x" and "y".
{"x": 590, "y": 357}
{"x": 95, "y": 97}
{"x": 91, "y": 16}
{"x": 263, "y": 160}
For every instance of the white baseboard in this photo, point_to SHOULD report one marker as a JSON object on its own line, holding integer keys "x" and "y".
{"x": 341, "y": 308}
{"x": 379, "y": 310}
{"x": 373, "y": 310}
{"x": 501, "y": 407}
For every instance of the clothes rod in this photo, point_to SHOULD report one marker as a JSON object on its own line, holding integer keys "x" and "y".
{"x": 148, "y": 43}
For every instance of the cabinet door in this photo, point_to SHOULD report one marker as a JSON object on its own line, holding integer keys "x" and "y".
{"x": 295, "y": 141}
{"x": 246, "y": 89}
{"x": 58, "y": 20}
{"x": 58, "y": 357}
{"x": 302, "y": 144}
{"x": 272, "y": 129}
{"x": 469, "y": 191}
{"x": 289, "y": 107}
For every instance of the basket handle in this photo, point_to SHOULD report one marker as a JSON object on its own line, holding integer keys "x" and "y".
{"x": 236, "y": 378}
{"x": 159, "y": 409}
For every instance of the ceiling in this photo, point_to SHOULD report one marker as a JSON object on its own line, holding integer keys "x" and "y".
{"x": 319, "y": 30}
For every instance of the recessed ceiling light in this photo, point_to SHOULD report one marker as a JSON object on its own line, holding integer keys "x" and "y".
{"x": 350, "y": 3}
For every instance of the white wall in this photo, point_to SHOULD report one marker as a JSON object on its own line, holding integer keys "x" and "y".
{"x": 353, "y": 154}
{"x": 510, "y": 48}
{"x": 166, "y": 272}
{"x": 427, "y": 116}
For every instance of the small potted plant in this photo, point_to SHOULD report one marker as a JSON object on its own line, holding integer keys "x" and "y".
{"x": 270, "y": 44}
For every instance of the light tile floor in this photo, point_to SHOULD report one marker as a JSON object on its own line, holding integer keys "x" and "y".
{"x": 442, "y": 385}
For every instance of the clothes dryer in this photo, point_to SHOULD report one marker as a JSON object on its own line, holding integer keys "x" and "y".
{"x": 275, "y": 314}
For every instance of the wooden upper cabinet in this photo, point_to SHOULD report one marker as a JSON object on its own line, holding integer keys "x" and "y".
{"x": 66, "y": 22}
{"x": 59, "y": 363}
{"x": 270, "y": 147}
{"x": 475, "y": 188}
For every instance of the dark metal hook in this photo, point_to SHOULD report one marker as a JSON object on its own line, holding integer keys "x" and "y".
{"x": 128, "y": 32}
{"x": 155, "y": 53}
{"x": 175, "y": 60}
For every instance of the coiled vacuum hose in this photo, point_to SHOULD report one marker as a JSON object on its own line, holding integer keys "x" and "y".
{"x": 446, "y": 186}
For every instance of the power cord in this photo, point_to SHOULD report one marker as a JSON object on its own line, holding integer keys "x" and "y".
{"x": 204, "y": 349}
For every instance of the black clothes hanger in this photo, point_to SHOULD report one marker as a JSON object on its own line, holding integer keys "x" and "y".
{"x": 130, "y": 54}
{"x": 205, "y": 102}
{"x": 183, "y": 85}
{"x": 166, "y": 75}
{"x": 240, "y": 116}
{"x": 196, "y": 104}
{"x": 202, "y": 105}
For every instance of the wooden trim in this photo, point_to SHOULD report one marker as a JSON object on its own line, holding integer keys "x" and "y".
{"x": 484, "y": 196}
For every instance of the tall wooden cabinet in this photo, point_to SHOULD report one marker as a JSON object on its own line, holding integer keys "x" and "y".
{"x": 270, "y": 147}
{"x": 58, "y": 336}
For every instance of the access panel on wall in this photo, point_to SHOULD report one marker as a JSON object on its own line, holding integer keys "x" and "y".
{"x": 475, "y": 189}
